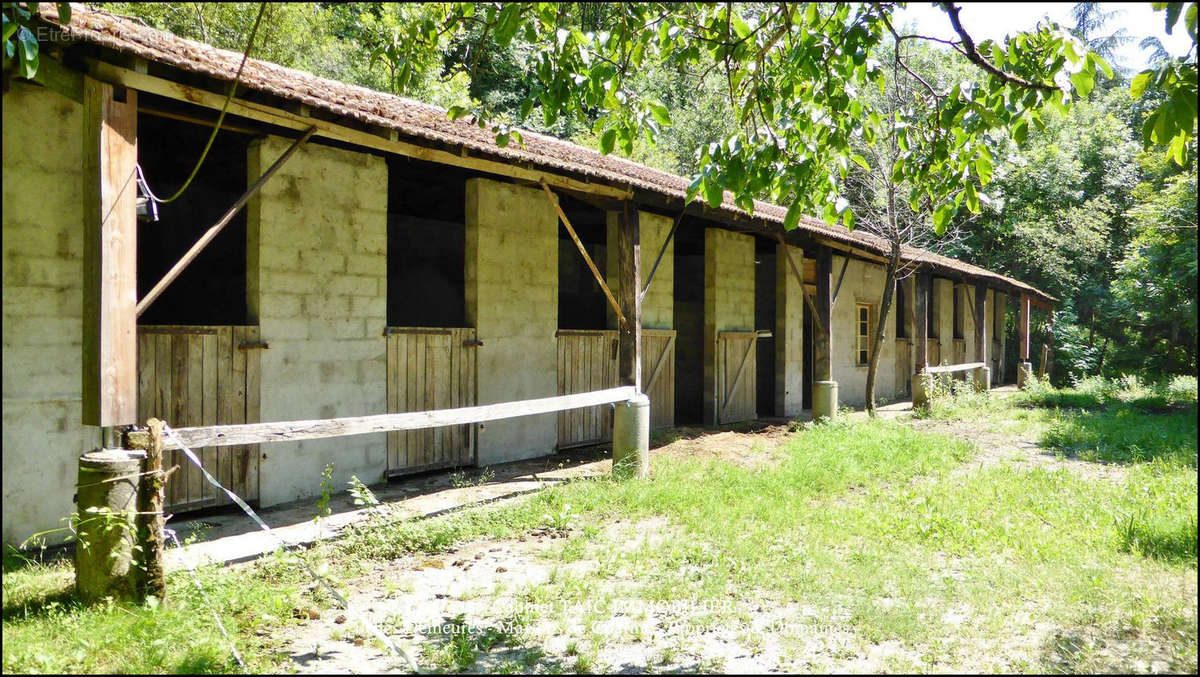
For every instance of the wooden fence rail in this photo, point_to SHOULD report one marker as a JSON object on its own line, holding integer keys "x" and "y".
{"x": 287, "y": 431}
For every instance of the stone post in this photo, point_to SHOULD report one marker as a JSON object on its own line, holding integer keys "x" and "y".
{"x": 107, "y": 525}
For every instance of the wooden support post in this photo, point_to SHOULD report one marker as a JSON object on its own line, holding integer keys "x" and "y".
{"x": 629, "y": 333}
{"x": 109, "y": 254}
{"x": 922, "y": 285}
{"x": 150, "y": 520}
{"x": 824, "y": 388}
{"x": 983, "y": 381}
{"x": 1023, "y": 327}
{"x": 1024, "y": 369}
{"x": 631, "y": 419}
{"x": 823, "y": 334}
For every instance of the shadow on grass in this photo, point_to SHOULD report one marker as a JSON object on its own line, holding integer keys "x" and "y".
{"x": 1125, "y": 433}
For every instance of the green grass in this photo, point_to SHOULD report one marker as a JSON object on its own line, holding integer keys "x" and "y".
{"x": 47, "y": 630}
{"x": 881, "y": 530}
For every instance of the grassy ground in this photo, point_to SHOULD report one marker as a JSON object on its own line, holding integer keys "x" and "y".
{"x": 858, "y": 536}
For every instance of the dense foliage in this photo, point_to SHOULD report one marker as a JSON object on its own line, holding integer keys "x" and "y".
{"x": 1059, "y": 161}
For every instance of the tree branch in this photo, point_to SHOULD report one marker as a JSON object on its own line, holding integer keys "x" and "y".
{"x": 972, "y": 53}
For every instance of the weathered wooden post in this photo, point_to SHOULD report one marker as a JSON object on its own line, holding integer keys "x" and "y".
{"x": 106, "y": 527}
{"x": 824, "y": 388}
{"x": 921, "y": 287}
{"x": 1025, "y": 368}
{"x": 150, "y": 519}
{"x": 631, "y": 420}
{"x": 107, "y": 489}
{"x": 983, "y": 375}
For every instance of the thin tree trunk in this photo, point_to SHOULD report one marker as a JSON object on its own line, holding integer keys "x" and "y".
{"x": 889, "y": 288}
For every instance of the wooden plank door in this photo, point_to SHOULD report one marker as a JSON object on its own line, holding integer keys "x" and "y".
{"x": 935, "y": 353}
{"x": 430, "y": 368}
{"x": 903, "y": 366}
{"x": 587, "y": 361}
{"x": 201, "y": 376}
{"x": 658, "y": 375}
{"x": 736, "y": 375}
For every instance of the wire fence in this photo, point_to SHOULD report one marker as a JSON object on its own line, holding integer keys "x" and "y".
{"x": 321, "y": 580}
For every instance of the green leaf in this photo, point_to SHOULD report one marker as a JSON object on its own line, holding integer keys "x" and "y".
{"x": 660, "y": 113}
{"x": 1020, "y": 130}
{"x": 941, "y": 217}
{"x": 64, "y": 12}
{"x": 848, "y": 219}
{"x": 456, "y": 112}
{"x": 1137, "y": 86}
{"x": 1177, "y": 150}
{"x": 1173, "y": 10}
{"x": 713, "y": 193}
{"x": 972, "y": 198}
{"x": 693, "y": 188}
{"x": 1083, "y": 82}
{"x": 1097, "y": 60}
{"x": 27, "y": 53}
{"x": 792, "y": 218}
{"x": 608, "y": 140}
{"x": 860, "y": 161}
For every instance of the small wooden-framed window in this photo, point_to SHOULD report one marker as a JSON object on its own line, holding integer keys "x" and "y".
{"x": 959, "y": 291}
{"x": 862, "y": 333}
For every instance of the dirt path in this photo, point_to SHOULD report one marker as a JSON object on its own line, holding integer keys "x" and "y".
{"x": 465, "y": 609}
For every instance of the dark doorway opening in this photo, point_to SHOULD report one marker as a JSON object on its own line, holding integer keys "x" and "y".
{"x": 581, "y": 301}
{"x": 764, "y": 320}
{"x": 688, "y": 320}
{"x": 212, "y": 290}
{"x": 807, "y": 375}
{"x": 426, "y": 242}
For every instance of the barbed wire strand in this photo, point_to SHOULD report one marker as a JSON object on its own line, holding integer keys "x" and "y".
{"x": 399, "y": 651}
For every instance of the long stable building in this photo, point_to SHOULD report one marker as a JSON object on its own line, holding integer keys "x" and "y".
{"x": 395, "y": 261}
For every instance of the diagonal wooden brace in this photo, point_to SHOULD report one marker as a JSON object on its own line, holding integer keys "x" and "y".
{"x": 812, "y": 306}
{"x": 212, "y": 232}
{"x": 583, "y": 252}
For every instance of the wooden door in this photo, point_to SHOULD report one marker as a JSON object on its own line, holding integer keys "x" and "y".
{"x": 201, "y": 376}
{"x": 427, "y": 369}
{"x": 736, "y": 392}
{"x": 587, "y": 361}
{"x": 960, "y": 351}
{"x": 935, "y": 353}
{"x": 658, "y": 375}
{"x": 903, "y": 366}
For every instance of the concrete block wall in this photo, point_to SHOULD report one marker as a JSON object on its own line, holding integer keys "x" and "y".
{"x": 42, "y": 301}
{"x": 317, "y": 285}
{"x": 512, "y": 301}
{"x": 658, "y": 308}
{"x": 728, "y": 298}
{"x": 863, "y": 283}
{"x": 789, "y": 332}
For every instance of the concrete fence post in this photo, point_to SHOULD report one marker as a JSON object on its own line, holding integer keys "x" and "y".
{"x": 983, "y": 379}
{"x": 631, "y": 438}
{"x": 824, "y": 400}
{"x": 1024, "y": 374}
{"x": 107, "y": 525}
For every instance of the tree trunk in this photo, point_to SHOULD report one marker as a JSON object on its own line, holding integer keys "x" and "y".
{"x": 889, "y": 288}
